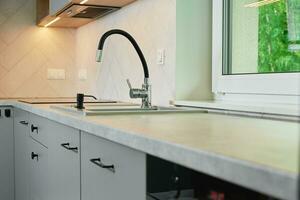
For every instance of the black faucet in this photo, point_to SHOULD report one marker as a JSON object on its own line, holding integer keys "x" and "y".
{"x": 145, "y": 92}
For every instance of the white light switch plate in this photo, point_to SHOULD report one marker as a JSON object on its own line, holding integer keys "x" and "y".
{"x": 161, "y": 56}
{"x": 56, "y": 74}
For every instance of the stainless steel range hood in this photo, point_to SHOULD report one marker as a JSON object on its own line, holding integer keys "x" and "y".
{"x": 74, "y": 13}
{"x": 86, "y": 11}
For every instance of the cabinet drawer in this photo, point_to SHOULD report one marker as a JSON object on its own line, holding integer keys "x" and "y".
{"x": 39, "y": 129}
{"x": 21, "y": 135}
{"x": 64, "y": 163}
{"x": 21, "y": 122}
{"x": 38, "y": 172}
{"x": 111, "y": 171}
{"x": 63, "y": 137}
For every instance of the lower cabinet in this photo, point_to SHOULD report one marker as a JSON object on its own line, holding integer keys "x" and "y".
{"x": 53, "y": 161}
{"x": 6, "y": 154}
{"x": 38, "y": 171}
{"x": 64, "y": 163}
{"x": 54, "y": 152}
{"x": 22, "y": 156}
{"x": 111, "y": 171}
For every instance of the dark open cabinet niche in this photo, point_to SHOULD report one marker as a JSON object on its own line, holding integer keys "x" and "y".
{"x": 166, "y": 177}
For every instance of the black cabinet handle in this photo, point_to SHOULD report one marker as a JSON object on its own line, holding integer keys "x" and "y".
{"x": 97, "y": 161}
{"x": 67, "y": 146}
{"x": 7, "y": 113}
{"x": 33, "y": 156}
{"x": 34, "y": 128}
{"x": 24, "y": 123}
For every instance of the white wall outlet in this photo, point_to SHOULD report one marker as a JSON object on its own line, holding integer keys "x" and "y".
{"x": 61, "y": 74}
{"x": 161, "y": 56}
{"x": 56, "y": 74}
{"x": 82, "y": 74}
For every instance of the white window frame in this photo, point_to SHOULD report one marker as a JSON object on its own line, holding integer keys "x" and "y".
{"x": 284, "y": 87}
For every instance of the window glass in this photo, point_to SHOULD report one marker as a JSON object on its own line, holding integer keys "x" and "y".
{"x": 261, "y": 36}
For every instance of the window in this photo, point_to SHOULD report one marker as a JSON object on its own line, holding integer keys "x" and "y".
{"x": 262, "y": 38}
{"x": 256, "y": 47}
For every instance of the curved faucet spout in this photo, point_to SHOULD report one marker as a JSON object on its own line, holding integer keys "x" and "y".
{"x": 145, "y": 92}
{"x": 133, "y": 42}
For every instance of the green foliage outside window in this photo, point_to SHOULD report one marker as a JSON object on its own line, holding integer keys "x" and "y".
{"x": 273, "y": 48}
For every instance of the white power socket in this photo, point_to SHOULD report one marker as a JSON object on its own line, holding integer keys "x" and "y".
{"x": 82, "y": 74}
{"x": 56, "y": 74}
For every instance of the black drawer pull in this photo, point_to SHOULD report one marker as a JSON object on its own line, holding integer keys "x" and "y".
{"x": 34, "y": 128}
{"x": 97, "y": 161}
{"x": 67, "y": 146}
{"x": 24, "y": 123}
{"x": 33, "y": 156}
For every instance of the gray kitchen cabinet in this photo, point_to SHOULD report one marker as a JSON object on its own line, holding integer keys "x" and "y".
{"x": 64, "y": 162}
{"x": 6, "y": 154}
{"x": 38, "y": 171}
{"x": 54, "y": 161}
{"x": 40, "y": 129}
{"x": 111, "y": 171}
{"x": 22, "y": 158}
{"x": 56, "y": 5}
{"x": 60, "y": 146}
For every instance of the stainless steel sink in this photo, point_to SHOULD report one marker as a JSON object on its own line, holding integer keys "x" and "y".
{"x": 121, "y": 108}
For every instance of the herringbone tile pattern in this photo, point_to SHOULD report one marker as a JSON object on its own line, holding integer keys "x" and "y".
{"x": 153, "y": 25}
{"x": 26, "y": 51}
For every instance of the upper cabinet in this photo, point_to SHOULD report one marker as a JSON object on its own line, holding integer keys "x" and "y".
{"x": 56, "y": 5}
{"x": 74, "y": 13}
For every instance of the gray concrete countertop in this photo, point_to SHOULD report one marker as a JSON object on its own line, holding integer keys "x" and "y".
{"x": 259, "y": 154}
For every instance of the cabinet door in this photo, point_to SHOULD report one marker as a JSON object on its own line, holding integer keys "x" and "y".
{"x": 39, "y": 129}
{"x": 111, "y": 171}
{"x": 64, "y": 162}
{"x": 21, "y": 135}
{"x": 39, "y": 174}
{"x": 56, "y": 5}
{"x": 6, "y": 156}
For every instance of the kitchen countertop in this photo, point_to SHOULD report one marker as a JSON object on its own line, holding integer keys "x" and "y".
{"x": 248, "y": 107}
{"x": 259, "y": 154}
{"x": 53, "y": 100}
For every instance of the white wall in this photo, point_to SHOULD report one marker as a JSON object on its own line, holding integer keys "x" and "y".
{"x": 153, "y": 24}
{"x": 194, "y": 50}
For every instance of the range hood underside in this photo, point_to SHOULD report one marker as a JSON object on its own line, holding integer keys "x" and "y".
{"x": 91, "y": 11}
{"x": 78, "y": 11}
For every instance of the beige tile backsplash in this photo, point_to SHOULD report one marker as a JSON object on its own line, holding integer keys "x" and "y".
{"x": 27, "y": 51}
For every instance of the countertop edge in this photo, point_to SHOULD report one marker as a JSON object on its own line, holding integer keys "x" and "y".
{"x": 259, "y": 178}
{"x": 275, "y": 109}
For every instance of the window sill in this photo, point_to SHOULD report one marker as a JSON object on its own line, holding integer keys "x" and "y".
{"x": 253, "y": 109}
